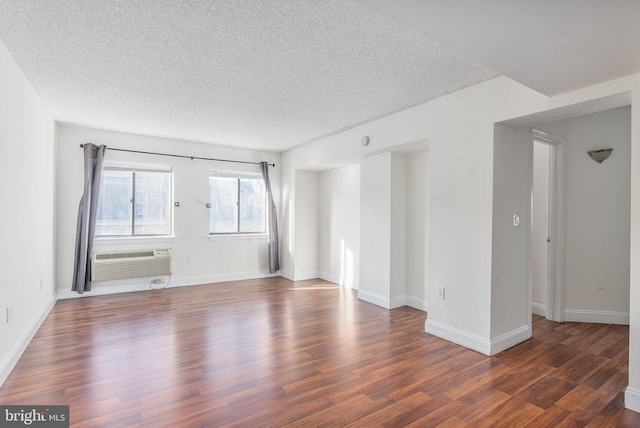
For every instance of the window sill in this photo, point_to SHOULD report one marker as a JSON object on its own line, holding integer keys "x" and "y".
{"x": 133, "y": 239}
{"x": 237, "y": 236}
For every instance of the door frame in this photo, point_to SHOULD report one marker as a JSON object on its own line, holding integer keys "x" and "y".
{"x": 556, "y": 232}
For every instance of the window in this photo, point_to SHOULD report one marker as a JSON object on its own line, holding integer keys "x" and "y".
{"x": 237, "y": 204}
{"x": 135, "y": 200}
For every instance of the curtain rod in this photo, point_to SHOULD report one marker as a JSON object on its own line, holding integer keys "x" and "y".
{"x": 183, "y": 156}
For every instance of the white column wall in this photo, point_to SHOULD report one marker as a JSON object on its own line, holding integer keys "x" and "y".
{"x": 398, "y": 244}
{"x": 375, "y": 230}
{"x": 632, "y": 395}
{"x": 306, "y": 222}
{"x": 510, "y": 304}
{"x": 417, "y": 229}
{"x": 383, "y": 230}
{"x": 339, "y": 225}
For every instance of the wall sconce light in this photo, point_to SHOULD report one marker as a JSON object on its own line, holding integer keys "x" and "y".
{"x": 600, "y": 155}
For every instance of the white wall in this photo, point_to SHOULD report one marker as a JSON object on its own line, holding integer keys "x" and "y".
{"x": 597, "y": 224}
{"x": 398, "y": 229}
{"x": 375, "y": 229}
{"x": 306, "y": 223}
{"x": 540, "y": 224}
{"x": 392, "y": 225}
{"x": 213, "y": 260}
{"x": 632, "y": 394}
{"x": 460, "y": 214}
{"x": 339, "y": 232}
{"x": 417, "y": 229}
{"x": 510, "y": 310}
{"x": 27, "y": 161}
{"x": 339, "y": 225}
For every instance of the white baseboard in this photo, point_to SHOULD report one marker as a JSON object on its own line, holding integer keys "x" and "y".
{"x": 394, "y": 302}
{"x": 116, "y": 287}
{"x": 286, "y": 274}
{"x": 417, "y": 303}
{"x": 209, "y": 279}
{"x": 374, "y": 298}
{"x": 463, "y": 338}
{"x": 16, "y": 352}
{"x": 475, "y": 342}
{"x": 586, "y": 315}
{"x": 599, "y": 317}
{"x": 104, "y": 289}
{"x": 510, "y": 339}
{"x": 305, "y": 276}
{"x": 383, "y": 301}
{"x": 632, "y": 399}
{"x": 539, "y": 309}
{"x": 329, "y": 277}
{"x": 397, "y": 302}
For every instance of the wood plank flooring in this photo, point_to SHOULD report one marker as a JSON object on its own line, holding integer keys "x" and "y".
{"x": 273, "y": 353}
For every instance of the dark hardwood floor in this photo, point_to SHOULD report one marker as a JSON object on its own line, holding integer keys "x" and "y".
{"x": 276, "y": 353}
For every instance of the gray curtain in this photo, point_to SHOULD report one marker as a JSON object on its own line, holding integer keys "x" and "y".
{"x": 86, "y": 227}
{"x": 272, "y": 227}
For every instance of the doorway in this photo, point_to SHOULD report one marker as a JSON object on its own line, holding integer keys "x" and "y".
{"x": 547, "y": 234}
{"x": 540, "y": 227}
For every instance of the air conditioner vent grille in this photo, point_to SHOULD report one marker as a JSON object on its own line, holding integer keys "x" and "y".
{"x": 131, "y": 264}
{"x": 111, "y": 256}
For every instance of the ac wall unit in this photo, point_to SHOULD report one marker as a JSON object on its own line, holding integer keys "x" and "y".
{"x": 132, "y": 264}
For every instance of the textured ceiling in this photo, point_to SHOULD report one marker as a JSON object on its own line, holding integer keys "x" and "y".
{"x": 550, "y": 46}
{"x": 248, "y": 73}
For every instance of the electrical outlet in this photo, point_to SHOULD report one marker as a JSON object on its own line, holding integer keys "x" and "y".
{"x": 189, "y": 259}
{"x": 441, "y": 293}
{"x": 9, "y": 314}
{"x": 601, "y": 284}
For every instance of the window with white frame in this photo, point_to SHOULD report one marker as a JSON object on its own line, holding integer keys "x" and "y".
{"x": 237, "y": 204}
{"x": 135, "y": 200}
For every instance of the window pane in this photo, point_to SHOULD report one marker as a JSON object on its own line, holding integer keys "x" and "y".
{"x": 223, "y": 214}
{"x": 114, "y": 204}
{"x": 152, "y": 203}
{"x": 252, "y": 201}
